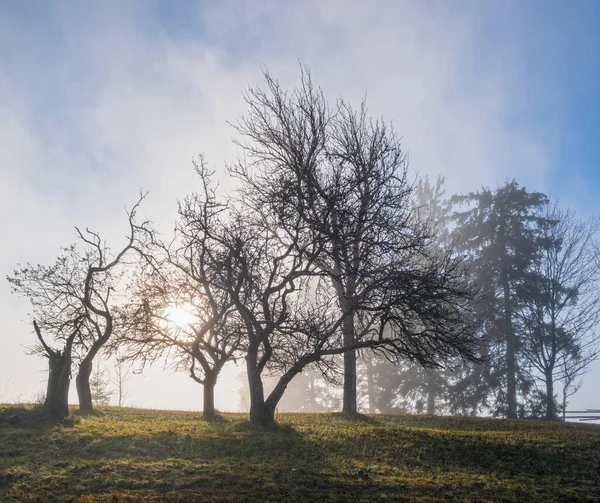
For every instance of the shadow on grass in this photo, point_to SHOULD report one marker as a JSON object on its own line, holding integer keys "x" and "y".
{"x": 352, "y": 459}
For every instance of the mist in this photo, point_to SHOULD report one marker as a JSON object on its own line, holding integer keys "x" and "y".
{"x": 131, "y": 95}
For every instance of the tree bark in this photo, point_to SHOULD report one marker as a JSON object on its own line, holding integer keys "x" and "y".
{"x": 208, "y": 409}
{"x": 262, "y": 412}
{"x": 511, "y": 367}
{"x": 56, "y": 403}
{"x": 82, "y": 382}
{"x": 59, "y": 380}
{"x": 259, "y": 415}
{"x": 550, "y": 409}
{"x": 349, "y": 400}
{"x": 345, "y": 292}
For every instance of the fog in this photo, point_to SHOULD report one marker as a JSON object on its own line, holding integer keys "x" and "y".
{"x": 99, "y": 102}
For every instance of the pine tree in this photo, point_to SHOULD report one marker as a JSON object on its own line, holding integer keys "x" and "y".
{"x": 407, "y": 386}
{"x": 99, "y": 386}
{"x": 499, "y": 235}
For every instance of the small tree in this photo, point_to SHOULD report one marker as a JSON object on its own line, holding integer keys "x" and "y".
{"x": 102, "y": 277}
{"x": 118, "y": 377}
{"x": 573, "y": 369}
{"x": 59, "y": 317}
{"x": 99, "y": 385}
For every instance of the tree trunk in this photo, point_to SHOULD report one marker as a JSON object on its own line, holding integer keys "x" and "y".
{"x": 260, "y": 415}
{"x": 120, "y": 391}
{"x": 208, "y": 409}
{"x": 349, "y": 335}
{"x": 370, "y": 383}
{"x": 59, "y": 380}
{"x": 511, "y": 367}
{"x": 431, "y": 391}
{"x": 550, "y": 409}
{"x": 279, "y": 389}
{"x": 262, "y": 412}
{"x": 82, "y": 382}
{"x": 349, "y": 401}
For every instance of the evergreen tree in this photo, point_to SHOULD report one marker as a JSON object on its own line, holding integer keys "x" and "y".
{"x": 406, "y": 386}
{"x": 434, "y": 208}
{"x": 99, "y": 386}
{"x": 499, "y": 234}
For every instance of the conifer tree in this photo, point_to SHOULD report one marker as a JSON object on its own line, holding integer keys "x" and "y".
{"x": 499, "y": 234}
{"x": 99, "y": 385}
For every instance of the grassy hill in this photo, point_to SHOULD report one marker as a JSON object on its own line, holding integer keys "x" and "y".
{"x": 141, "y": 455}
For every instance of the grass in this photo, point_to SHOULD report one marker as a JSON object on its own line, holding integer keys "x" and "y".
{"x": 134, "y": 455}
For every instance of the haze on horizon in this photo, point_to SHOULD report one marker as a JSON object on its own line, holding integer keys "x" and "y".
{"x": 102, "y": 100}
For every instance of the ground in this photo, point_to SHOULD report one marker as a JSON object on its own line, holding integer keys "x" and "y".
{"x": 132, "y": 455}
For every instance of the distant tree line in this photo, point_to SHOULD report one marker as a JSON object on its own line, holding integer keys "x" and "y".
{"x": 330, "y": 264}
{"x": 535, "y": 266}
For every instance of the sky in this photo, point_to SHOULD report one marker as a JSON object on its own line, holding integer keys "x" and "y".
{"x": 99, "y": 100}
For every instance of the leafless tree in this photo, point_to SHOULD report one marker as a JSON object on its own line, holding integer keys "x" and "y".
{"x": 73, "y": 302}
{"x": 101, "y": 281}
{"x": 58, "y": 316}
{"x": 118, "y": 377}
{"x": 562, "y": 311}
{"x": 330, "y": 189}
{"x": 319, "y": 192}
{"x": 179, "y": 308}
{"x": 572, "y": 371}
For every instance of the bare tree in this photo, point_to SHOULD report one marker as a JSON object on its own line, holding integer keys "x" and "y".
{"x": 101, "y": 281}
{"x": 562, "y": 310}
{"x": 574, "y": 367}
{"x": 319, "y": 192}
{"x": 330, "y": 187}
{"x": 59, "y": 317}
{"x": 118, "y": 377}
{"x": 72, "y": 301}
{"x": 179, "y": 307}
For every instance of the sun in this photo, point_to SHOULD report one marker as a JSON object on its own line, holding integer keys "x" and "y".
{"x": 180, "y": 315}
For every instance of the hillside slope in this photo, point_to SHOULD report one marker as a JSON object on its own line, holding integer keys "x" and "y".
{"x": 141, "y": 455}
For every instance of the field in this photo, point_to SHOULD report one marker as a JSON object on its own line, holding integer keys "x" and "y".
{"x": 136, "y": 455}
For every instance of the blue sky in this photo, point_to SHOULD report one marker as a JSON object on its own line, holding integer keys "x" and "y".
{"x": 101, "y": 99}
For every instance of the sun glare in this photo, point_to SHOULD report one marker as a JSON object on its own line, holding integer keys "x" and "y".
{"x": 180, "y": 315}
